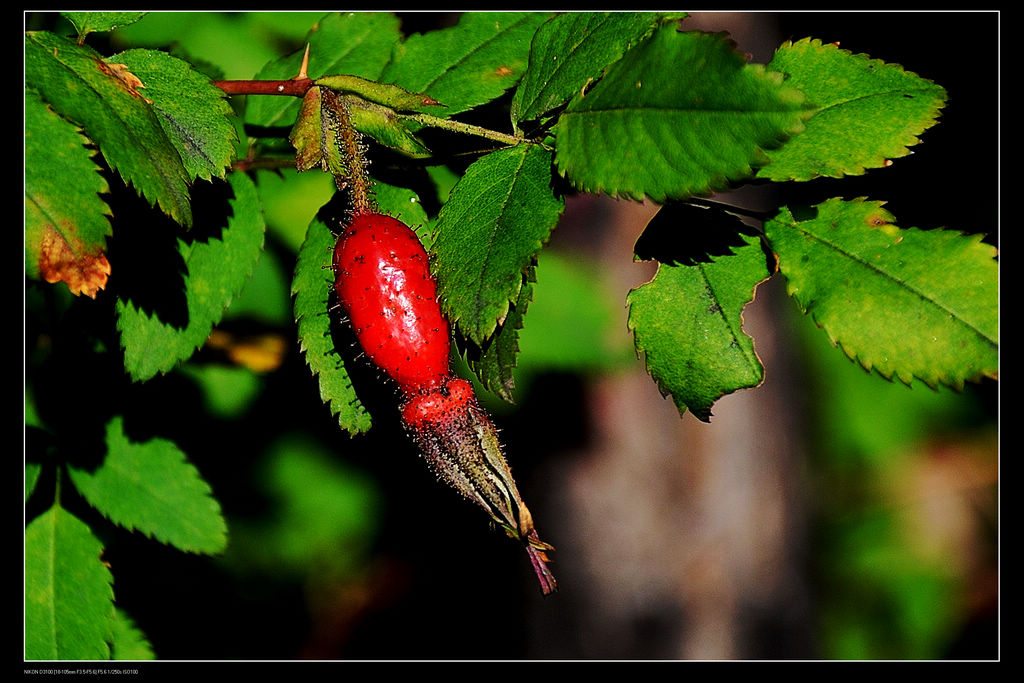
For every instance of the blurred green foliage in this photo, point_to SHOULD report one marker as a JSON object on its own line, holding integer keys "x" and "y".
{"x": 886, "y": 458}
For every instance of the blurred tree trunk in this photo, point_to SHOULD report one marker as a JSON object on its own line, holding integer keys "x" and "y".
{"x": 679, "y": 539}
{"x": 684, "y": 538}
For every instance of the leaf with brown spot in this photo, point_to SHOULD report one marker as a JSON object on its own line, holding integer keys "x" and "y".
{"x": 76, "y": 82}
{"x": 59, "y": 261}
{"x": 65, "y": 219}
{"x": 199, "y": 126}
{"x": 130, "y": 80}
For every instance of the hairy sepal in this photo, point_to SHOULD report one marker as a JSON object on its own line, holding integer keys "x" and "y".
{"x": 461, "y": 446}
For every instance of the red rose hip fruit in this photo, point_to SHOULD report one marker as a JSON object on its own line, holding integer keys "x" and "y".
{"x": 383, "y": 281}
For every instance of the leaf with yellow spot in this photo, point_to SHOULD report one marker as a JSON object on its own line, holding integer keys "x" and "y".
{"x": 908, "y": 303}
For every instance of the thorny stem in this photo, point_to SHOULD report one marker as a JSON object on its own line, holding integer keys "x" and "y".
{"x": 294, "y": 87}
{"x": 297, "y": 87}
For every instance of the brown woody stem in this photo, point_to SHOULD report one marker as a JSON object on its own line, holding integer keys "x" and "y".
{"x": 293, "y": 87}
{"x": 297, "y": 87}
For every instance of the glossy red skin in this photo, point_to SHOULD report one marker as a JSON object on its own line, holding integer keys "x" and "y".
{"x": 383, "y": 281}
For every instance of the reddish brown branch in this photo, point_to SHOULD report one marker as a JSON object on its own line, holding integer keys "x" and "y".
{"x": 294, "y": 87}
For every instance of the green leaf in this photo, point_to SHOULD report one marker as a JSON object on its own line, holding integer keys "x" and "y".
{"x": 312, "y": 286}
{"x": 89, "y": 22}
{"x": 198, "y": 125}
{"x": 66, "y": 224}
{"x": 494, "y": 366}
{"x": 353, "y": 43}
{"x": 230, "y": 390}
{"x": 33, "y": 470}
{"x": 107, "y": 103}
{"x": 129, "y": 642}
{"x": 218, "y": 265}
{"x": 385, "y": 94}
{"x": 681, "y": 114}
{"x": 382, "y": 124}
{"x": 905, "y": 302}
{"x": 405, "y": 205}
{"x": 150, "y": 487}
{"x": 498, "y": 217}
{"x": 290, "y": 200}
{"x": 574, "y": 324}
{"x": 572, "y": 50}
{"x": 69, "y": 608}
{"x": 866, "y": 425}
{"x": 688, "y": 323}
{"x": 314, "y": 135}
{"x": 469, "y": 64}
{"x": 868, "y": 112}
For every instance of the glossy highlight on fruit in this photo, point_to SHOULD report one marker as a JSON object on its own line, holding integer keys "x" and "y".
{"x": 383, "y": 281}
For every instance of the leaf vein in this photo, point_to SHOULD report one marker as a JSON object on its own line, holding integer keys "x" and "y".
{"x": 900, "y": 283}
